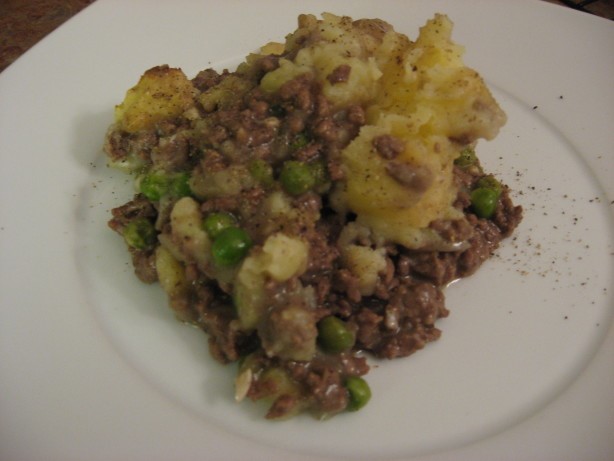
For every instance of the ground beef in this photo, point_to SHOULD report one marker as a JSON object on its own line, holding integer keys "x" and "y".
{"x": 172, "y": 153}
{"x": 321, "y": 379}
{"x": 388, "y": 147}
{"x": 139, "y": 207}
{"x": 507, "y": 215}
{"x": 339, "y": 74}
{"x": 395, "y": 320}
{"x": 416, "y": 178}
{"x": 206, "y": 79}
{"x": 119, "y": 145}
{"x": 144, "y": 263}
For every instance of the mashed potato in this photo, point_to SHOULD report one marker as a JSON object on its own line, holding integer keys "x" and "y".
{"x": 419, "y": 92}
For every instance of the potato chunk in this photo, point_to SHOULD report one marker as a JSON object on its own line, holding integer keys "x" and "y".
{"x": 187, "y": 235}
{"x": 171, "y": 273}
{"x": 280, "y": 259}
{"x": 161, "y": 93}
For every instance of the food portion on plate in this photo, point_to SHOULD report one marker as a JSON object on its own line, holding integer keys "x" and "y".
{"x": 308, "y": 209}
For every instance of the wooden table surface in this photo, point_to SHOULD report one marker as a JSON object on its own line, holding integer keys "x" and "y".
{"x": 25, "y": 22}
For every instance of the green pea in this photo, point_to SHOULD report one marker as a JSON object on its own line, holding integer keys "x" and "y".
{"x": 300, "y": 141}
{"x": 489, "y": 182}
{"x": 320, "y": 172}
{"x": 179, "y": 185}
{"x": 334, "y": 336}
{"x": 216, "y": 222}
{"x": 467, "y": 158}
{"x": 296, "y": 177}
{"x": 140, "y": 234}
{"x": 230, "y": 246}
{"x": 359, "y": 393}
{"x": 261, "y": 172}
{"x": 153, "y": 185}
{"x": 484, "y": 201}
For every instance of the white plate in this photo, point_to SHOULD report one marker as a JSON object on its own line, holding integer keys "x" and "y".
{"x": 94, "y": 366}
